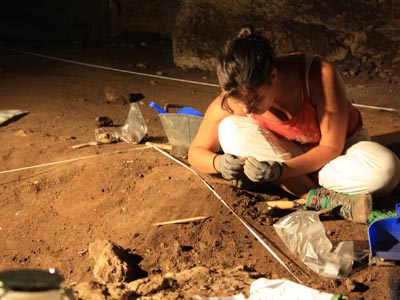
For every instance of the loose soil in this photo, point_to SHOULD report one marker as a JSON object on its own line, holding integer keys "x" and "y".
{"x": 56, "y": 201}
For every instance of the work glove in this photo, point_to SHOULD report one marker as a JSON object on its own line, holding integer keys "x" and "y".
{"x": 230, "y": 166}
{"x": 262, "y": 171}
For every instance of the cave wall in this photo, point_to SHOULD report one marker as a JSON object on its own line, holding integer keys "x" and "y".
{"x": 365, "y": 34}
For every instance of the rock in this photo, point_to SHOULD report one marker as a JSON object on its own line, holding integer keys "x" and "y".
{"x": 103, "y": 121}
{"x": 104, "y": 135}
{"x": 109, "y": 267}
{"x": 117, "y": 94}
{"x": 141, "y": 65}
{"x": 194, "y": 273}
{"x": 119, "y": 291}
{"x": 91, "y": 291}
{"x": 20, "y": 133}
{"x": 350, "y": 285}
{"x": 150, "y": 285}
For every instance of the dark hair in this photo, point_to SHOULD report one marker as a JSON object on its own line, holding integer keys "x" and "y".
{"x": 245, "y": 63}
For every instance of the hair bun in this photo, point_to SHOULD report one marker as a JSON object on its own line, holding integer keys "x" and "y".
{"x": 247, "y": 31}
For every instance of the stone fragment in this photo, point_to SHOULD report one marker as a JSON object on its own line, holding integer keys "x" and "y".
{"x": 103, "y": 121}
{"x": 91, "y": 291}
{"x": 117, "y": 94}
{"x": 141, "y": 65}
{"x": 109, "y": 267}
{"x": 149, "y": 285}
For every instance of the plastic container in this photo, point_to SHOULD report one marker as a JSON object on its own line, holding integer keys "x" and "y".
{"x": 32, "y": 284}
{"x": 384, "y": 237}
{"x": 183, "y": 110}
{"x": 157, "y": 108}
{"x": 180, "y": 127}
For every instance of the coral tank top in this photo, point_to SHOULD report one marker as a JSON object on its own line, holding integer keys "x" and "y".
{"x": 303, "y": 127}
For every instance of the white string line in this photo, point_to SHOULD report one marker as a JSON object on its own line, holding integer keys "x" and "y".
{"x": 153, "y": 76}
{"x": 375, "y": 107}
{"x": 108, "y": 68}
{"x": 227, "y": 206}
{"x": 71, "y": 160}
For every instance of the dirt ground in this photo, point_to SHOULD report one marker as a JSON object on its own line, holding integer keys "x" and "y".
{"x": 59, "y": 203}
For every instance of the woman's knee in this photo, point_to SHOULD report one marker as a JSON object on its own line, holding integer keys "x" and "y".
{"x": 242, "y": 136}
{"x": 386, "y": 165}
{"x": 365, "y": 167}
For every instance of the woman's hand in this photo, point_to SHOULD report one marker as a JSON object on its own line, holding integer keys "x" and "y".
{"x": 262, "y": 171}
{"x": 230, "y": 166}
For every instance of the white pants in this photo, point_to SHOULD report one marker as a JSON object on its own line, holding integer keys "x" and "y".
{"x": 364, "y": 166}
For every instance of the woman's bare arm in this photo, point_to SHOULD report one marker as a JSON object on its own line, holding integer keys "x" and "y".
{"x": 206, "y": 143}
{"x": 328, "y": 95}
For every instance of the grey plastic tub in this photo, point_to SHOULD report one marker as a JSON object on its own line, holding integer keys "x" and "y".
{"x": 180, "y": 130}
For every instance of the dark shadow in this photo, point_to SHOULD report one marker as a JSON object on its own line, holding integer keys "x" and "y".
{"x": 395, "y": 147}
{"x": 262, "y": 188}
{"x": 135, "y": 97}
{"x": 186, "y": 248}
{"x": 360, "y": 287}
{"x": 388, "y": 202}
{"x": 133, "y": 260}
{"x": 157, "y": 139}
{"x": 390, "y": 140}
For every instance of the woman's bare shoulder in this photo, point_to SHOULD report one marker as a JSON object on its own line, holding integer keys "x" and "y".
{"x": 322, "y": 70}
{"x": 220, "y": 111}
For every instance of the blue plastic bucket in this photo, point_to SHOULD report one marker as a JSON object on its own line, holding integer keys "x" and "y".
{"x": 384, "y": 237}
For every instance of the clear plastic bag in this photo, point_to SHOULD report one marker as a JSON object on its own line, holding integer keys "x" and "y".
{"x": 135, "y": 129}
{"x": 304, "y": 235}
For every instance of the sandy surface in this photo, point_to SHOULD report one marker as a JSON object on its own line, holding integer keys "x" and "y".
{"x": 52, "y": 213}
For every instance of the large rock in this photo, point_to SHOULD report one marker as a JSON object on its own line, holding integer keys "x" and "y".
{"x": 109, "y": 266}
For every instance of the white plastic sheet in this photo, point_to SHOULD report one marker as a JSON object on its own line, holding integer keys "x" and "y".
{"x": 6, "y": 115}
{"x": 278, "y": 289}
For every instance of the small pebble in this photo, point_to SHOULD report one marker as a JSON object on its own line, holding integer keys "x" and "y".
{"x": 141, "y": 65}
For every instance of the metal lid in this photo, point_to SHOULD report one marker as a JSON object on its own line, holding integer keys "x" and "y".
{"x": 30, "y": 280}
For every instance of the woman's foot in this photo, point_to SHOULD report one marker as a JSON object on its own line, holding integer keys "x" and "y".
{"x": 354, "y": 207}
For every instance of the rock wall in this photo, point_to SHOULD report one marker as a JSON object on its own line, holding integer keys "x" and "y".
{"x": 154, "y": 16}
{"x": 363, "y": 35}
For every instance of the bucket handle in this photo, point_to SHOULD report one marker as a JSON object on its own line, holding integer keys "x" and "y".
{"x": 168, "y": 106}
